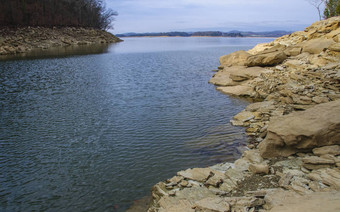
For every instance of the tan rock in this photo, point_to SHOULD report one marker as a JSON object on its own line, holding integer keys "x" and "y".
{"x": 265, "y": 106}
{"x": 259, "y": 168}
{"x": 293, "y": 51}
{"x": 274, "y": 197}
{"x": 184, "y": 199}
{"x": 222, "y": 78}
{"x": 241, "y": 164}
{"x": 260, "y": 48}
{"x": 234, "y": 175}
{"x": 181, "y": 205}
{"x": 175, "y": 180}
{"x": 266, "y": 59}
{"x": 237, "y": 123}
{"x": 197, "y": 174}
{"x": 317, "y": 160}
{"x": 184, "y": 183}
{"x": 238, "y": 90}
{"x": 327, "y": 176}
{"x": 244, "y": 116}
{"x": 332, "y": 150}
{"x": 316, "y": 46}
{"x": 289, "y": 134}
{"x": 285, "y": 180}
{"x": 333, "y": 34}
{"x": 319, "y": 99}
{"x": 253, "y": 156}
{"x": 234, "y": 59}
{"x": 335, "y": 47}
{"x": 314, "y": 202}
{"x": 315, "y": 166}
{"x": 216, "y": 204}
{"x": 216, "y": 179}
{"x": 239, "y": 203}
{"x": 227, "y": 185}
{"x": 242, "y": 73}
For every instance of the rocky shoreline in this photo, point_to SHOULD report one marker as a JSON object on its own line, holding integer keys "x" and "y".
{"x": 293, "y": 163}
{"x": 25, "y": 39}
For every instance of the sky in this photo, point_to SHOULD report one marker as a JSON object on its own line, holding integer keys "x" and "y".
{"x": 204, "y": 15}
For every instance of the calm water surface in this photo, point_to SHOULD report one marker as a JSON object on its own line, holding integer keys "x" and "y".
{"x": 95, "y": 132}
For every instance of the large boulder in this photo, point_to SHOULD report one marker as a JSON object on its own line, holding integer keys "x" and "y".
{"x": 236, "y": 58}
{"x": 300, "y": 131}
{"x": 260, "y": 48}
{"x": 316, "y": 46}
{"x": 270, "y": 57}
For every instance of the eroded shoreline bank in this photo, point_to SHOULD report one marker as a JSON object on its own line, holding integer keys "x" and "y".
{"x": 294, "y": 163}
{"x": 26, "y": 39}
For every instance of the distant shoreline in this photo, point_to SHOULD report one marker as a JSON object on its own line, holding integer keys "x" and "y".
{"x": 191, "y": 37}
{"x": 270, "y": 34}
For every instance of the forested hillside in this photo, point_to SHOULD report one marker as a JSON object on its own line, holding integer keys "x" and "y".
{"x": 49, "y": 13}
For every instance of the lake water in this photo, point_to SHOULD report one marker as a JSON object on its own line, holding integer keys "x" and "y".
{"x": 94, "y": 132}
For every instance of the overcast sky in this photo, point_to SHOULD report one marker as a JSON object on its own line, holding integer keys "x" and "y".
{"x": 223, "y": 15}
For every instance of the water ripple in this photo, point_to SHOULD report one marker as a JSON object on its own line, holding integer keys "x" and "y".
{"x": 95, "y": 132}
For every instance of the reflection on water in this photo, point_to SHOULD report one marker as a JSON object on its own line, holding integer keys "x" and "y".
{"x": 64, "y": 51}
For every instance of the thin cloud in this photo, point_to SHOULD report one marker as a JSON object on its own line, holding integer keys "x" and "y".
{"x": 165, "y": 15}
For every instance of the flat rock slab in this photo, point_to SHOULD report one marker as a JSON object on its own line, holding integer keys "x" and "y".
{"x": 238, "y": 90}
{"x": 331, "y": 150}
{"x": 316, "y": 127}
{"x": 315, "y": 202}
{"x": 222, "y": 78}
{"x": 197, "y": 174}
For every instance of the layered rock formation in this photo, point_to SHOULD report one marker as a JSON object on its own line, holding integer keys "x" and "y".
{"x": 294, "y": 161}
{"x": 23, "y": 40}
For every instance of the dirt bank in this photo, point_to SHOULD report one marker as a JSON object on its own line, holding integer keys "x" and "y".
{"x": 26, "y": 39}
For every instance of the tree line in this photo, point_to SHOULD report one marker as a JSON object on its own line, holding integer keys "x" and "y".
{"x": 59, "y": 13}
{"x": 332, "y": 7}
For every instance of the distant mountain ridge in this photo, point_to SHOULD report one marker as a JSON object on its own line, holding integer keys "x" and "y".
{"x": 277, "y": 33}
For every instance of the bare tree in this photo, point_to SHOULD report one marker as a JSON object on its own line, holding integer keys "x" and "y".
{"x": 317, "y": 4}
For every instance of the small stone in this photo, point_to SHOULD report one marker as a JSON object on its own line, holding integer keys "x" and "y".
{"x": 259, "y": 168}
{"x": 184, "y": 183}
